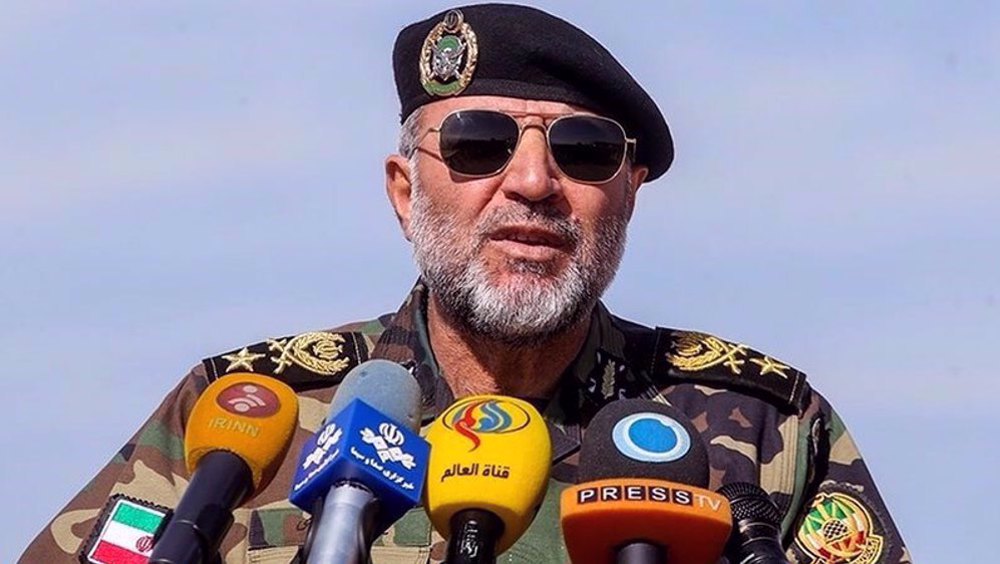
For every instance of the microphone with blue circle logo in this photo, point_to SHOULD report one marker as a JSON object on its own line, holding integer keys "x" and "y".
{"x": 642, "y": 496}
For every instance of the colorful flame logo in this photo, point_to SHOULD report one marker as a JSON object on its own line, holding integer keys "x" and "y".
{"x": 485, "y": 417}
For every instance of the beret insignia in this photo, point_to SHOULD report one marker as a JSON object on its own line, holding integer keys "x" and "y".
{"x": 703, "y": 358}
{"x": 839, "y": 529}
{"x": 309, "y": 360}
{"x": 522, "y": 52}
{"x": 448, "y": 57}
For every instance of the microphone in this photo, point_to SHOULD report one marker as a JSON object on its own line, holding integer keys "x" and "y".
{"x": 236, "y": 437}
{"x": 756, "y": 522}
{"x": 487, "y": 475}
{"x": 641, "y": 497}
{"x": 365, "y": 467}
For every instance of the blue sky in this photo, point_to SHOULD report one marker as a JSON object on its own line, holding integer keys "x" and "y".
{"x": 180, "y": 179}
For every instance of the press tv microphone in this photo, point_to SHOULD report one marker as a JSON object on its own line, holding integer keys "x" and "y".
{"x": 641, "y": 495}
{"x": 487, "y": 475}
{"x": 756, "y": 526}
{"x": 236, "y": 437}
{"x": 365, "y": 467}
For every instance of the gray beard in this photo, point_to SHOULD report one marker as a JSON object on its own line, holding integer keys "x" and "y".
{"x": 545, "y": 304}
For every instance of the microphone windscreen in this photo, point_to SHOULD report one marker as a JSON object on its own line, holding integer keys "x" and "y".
{"x": 750, "y": 502}
{"x": 249, "y": 415}
{"x": 637, "y": 438}
{"x": 643, "y": 470}
{"x": 488, "y": 452}
{"x": 385, "y": 386}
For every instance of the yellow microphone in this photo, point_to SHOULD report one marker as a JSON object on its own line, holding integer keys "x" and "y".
{"x": 249, "y": 415}
{"x": 236, "y": 437}
{"x": 487, "y": 474}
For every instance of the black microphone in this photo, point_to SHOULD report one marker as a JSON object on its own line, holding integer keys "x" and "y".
{"x": 642, "y": 497}
{"x": 756, "y": 526}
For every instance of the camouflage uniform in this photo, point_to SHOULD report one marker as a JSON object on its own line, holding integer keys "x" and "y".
{"x": 761, "y": 421}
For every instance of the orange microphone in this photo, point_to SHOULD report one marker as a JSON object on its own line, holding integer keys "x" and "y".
{"x": 642, "y": 497}
{"x": 236, "y": 437}
{"x": 487, "y": 475}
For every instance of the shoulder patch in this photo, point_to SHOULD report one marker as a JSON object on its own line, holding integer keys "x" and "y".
{"x": 840, "y": 528}
{"x": 311, "y": 360}
{"x": 699, "y": 357}
{"x": 124, "y": 531}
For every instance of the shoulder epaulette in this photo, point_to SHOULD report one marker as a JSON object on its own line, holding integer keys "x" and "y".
{"x": 702, "y": 358}
{"x": 311, "y": 360}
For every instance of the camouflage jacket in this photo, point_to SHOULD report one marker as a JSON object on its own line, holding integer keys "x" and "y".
{"x": 760, "y": 419}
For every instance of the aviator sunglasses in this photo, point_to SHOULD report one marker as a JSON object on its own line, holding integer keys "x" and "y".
{"x": 481, "y": 143}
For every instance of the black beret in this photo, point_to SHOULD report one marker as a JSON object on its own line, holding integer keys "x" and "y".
{"x": 523, "y": 52}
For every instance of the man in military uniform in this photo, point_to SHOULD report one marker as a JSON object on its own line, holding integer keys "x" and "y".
{"x": 523, "y": 145}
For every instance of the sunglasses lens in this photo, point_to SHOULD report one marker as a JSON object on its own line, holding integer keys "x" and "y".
{"x": 477, "y": 142}
{"x": 587, "y": 148}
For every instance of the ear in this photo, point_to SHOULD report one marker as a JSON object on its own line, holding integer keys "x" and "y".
{"x": 399, "y": 189}
{"x": 637, "y": 176}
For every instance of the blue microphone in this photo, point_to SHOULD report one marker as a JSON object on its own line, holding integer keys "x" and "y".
{"x": 365, "y": 467}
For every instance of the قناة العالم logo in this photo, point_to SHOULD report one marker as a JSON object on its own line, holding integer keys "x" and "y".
{"x": 651, "y": 437}
{"x": 477, "y": 416}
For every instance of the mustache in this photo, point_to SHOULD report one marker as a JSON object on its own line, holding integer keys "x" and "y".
{"x": 541, "y": 216}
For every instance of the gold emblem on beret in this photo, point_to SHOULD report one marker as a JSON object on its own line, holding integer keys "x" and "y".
{"x": 448, "y": 57}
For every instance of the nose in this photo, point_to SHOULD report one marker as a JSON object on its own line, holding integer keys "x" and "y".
{"x": 530, "y": 174}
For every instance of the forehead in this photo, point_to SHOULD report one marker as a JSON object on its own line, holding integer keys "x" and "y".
{"x": 435, "y": 111}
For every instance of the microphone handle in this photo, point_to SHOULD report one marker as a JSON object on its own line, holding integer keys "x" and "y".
{"x": 474, "y": 535}
{"x": 194, "y": 532}
{"x": 759, "y": 544}
{"x": 641, "y": 552}
{"x": 341, "y": 532}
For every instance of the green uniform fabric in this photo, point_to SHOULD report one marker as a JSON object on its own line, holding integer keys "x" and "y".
{"x": 761, "y": 421}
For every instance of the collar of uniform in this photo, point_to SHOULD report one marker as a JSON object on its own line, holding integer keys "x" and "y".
{"x": 598, "y": 374}
{"x": 605, "y": 345}
{"x": 405, "y": 341}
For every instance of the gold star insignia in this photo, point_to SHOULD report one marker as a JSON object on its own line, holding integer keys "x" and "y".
{"x": 242, "y": 359}
{"x": 768, "y": 365}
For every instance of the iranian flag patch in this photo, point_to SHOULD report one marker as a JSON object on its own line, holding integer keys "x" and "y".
{"x": 124, "y": 532}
